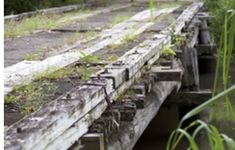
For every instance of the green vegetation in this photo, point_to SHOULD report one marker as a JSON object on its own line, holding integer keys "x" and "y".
{"x": 128, "y": 38}
{"x": 19, "y": 6}
{"x": 221, "y": 105}
{"x": 86, "y": 59}
{"x": 176, "y": 39}
{"x": 224, "y": 11}
{"x": 25, "y": 26}
{"x": 29, "y": 98}
{"x": 113, "y": 57}
{"x": 151, "y": 7}
{"x": 59, "y": 74}
{"x": 30, "y": 57}
{"x": 167, "y": 51}
{"x": 216, "y": 140}
{"x": 120, "y": 18}
{"x": 90, "y": 34}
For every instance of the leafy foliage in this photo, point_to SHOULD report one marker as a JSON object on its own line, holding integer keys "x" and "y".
{"x": 168, "y": 51}
{"x": 86, "y": 59}
{"x": 216, "y": 140}
{"x": 19, "y": 6}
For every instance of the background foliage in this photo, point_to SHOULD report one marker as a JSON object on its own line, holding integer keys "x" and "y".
{"x": 19, "y": 6}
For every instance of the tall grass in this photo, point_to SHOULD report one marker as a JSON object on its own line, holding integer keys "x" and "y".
{"x": 14, "y": 28}
{"x": 216, "y": 140}
{"x": 151, "y": 7}
{"x": 220, "y": 105}
{"x": 224, "y": 10}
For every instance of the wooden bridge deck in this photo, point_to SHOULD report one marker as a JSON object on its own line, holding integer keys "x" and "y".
{"x": 101, "y": 103}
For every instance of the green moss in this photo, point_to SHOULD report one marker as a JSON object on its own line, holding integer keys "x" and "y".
{"x": 30, "y": 57}
{"x": 29, "y": 98}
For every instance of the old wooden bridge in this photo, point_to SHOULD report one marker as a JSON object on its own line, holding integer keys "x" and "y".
{"x": 112, "y": 109}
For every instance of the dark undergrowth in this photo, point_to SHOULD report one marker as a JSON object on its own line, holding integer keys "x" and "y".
{"x": 20, "y": 6}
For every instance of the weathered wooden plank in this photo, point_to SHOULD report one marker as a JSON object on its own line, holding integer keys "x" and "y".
{"x": 92, "y": 141}
{"x": 150, "y": 48}
{"x": 44, "y": 128}
{"x": 20, "y": 66}
{"x": 166, "y": 74}
{"x": 190, "y": 63}
{"x": 192, "y": 39}
{"x": 41, "y": 128}
{"x": 47, "y": 11}
{"x": 129, "y": 133}
{"x": 52, "y": 64}
{"x": 101, "y": 11}
{"x": 77, "y": 130}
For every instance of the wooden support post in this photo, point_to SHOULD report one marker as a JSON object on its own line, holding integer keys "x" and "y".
{"x": 127, "y": 110}
{"x": 190, "y": 63}
{"x": 130, "y": 132}
{"x": 166, "y": 73}
{"x": 139, "y": 89}
{"x": 204, "y": 34}
{"x": 93, "y": 141}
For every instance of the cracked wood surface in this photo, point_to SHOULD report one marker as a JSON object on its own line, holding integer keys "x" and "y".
{"x": 54, "y": 122}
{"x": 107, "y": 37}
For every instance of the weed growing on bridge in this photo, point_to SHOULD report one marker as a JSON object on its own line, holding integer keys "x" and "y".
{"x": 120, "y": 18}
{"x": 29, "y": 98}
{"x": 151, "y": 8}
{"x": 25, "y": 26}
{"x": 128, "y": 38}
{"x": 90, "y": 34}
{"x": 86, "y": 59}
{"x": 167, "y": 51}
{"x": 59, "y": 74}
{"x": 176, "y": 39}
{"x": 30, "y": 57}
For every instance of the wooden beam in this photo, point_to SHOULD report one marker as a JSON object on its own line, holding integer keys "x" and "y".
{"x": 67, "y": 119}
{"x": 50, "y": 122}
{"x": 190, "y": 63}
{"x": 54, "y": 10}
{"x": 166, "y": 73}
{"x": 204, "y": 34}
{"x": 190, "y": 97}
{"x": 92, "y": 141}
{"x": 108, "y": 37}
{"x": 206, "y": 48}
{"x": 130, "y": 132}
